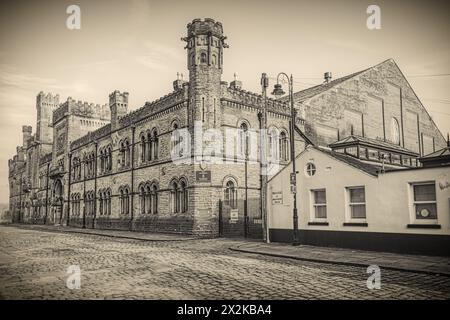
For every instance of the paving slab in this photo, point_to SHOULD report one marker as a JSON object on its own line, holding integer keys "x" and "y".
{"x": 392, "y": 261}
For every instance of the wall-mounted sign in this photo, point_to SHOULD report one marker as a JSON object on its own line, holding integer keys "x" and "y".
{"x": 277, "y": 197}
{"x": 203, "y": 176}
{"x": 293, "y": 178}
{"x": 234, "y": 215}
{"x": 294, "y": 189}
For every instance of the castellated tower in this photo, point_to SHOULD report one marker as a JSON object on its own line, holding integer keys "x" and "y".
{"x": 45, "y": 105}
{"x": 205, "y": 43}
{"x": 26, "y": 134}
{"x": 118, "y": 103}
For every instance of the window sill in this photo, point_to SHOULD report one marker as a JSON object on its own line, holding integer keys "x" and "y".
{"x": 424, "y": 226}
{"x": 318, "y": 223}
{"x": 355, "y": 224}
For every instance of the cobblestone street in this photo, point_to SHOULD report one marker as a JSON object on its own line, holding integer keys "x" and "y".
{"x": 33, "y": 265}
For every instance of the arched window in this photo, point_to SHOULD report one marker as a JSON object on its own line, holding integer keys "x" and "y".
{"x": 91, "y": 202}
{"x": 148, "y": 200}
{"x": 108, "y": 202}
{"x": 395, "y": 134}
{"x": 183, "y": 197}
{"x": 284, "y": 146}
{"x": 203, "y": 58}
{"x": 125, "y": 153}
{"x": 127, "y": 200}
{"x": 214, "y": 60}
{"x": 243, "y": 139}
{"x": 155, "y": 144}
{"x": 100, "y": 201}
{"x": 174, "y": 197}
{"x": 109, "y": 161}
{"x": 230, "y": 194}
{"x": 142, "y": 198}
{"x": 143, "y": 148}
{"x": 154, "y": 199}
{"x": 122, "y": 204}
{"x": 273, "y": 152}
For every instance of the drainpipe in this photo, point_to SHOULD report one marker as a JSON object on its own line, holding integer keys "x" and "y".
{"x": 46, "y": 193}
{"x": 69, "y": 188}
{"x": 263, "y": 161}
{"x": 84, "y": 194}
{"x": 133, "y": 129}
{"x": 95, "y": 185}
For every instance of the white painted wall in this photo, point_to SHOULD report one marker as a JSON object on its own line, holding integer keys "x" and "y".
{"x": 388, "y": 196}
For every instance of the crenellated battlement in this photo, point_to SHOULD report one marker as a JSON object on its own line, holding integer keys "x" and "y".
{"x": 208, "y": 25}
{"x": 48, "y": 98}
{"x": 254, "y": 99}
{"x": 81, "y": 109}
{"x": 155, "y": 106}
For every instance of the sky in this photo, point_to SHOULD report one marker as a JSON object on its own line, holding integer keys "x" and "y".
{"x": 135, "y": 46}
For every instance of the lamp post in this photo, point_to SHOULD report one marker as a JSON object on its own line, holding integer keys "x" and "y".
{"x": 278, "y": 91}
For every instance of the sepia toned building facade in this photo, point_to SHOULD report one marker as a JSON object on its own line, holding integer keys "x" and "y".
{"x": 101, "y": 166}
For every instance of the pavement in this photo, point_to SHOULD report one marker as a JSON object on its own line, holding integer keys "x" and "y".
{"x": 36, "y": 263}
{"x": 384, "y": 260}
{"x": 132, "y": 235}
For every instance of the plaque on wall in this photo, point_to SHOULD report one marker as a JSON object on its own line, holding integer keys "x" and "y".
{"x": 203, "y": 176}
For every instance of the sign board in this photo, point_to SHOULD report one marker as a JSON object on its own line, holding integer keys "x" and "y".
{"x": 293, "y": 189}
{"x": 234, "y": 214}
{"x": 293, "y": 179}
{"x": 203, "y": 176}
{"x": 277, "y": 197}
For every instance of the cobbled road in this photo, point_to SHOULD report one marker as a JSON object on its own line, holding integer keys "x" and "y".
{"x": 34, "y": 264}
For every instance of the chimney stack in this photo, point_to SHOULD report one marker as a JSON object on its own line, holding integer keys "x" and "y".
{"x": 327, "y": 77}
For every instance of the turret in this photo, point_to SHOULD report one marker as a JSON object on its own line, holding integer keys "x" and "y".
{"x": 205, "y": 43}
{"x": 45, "y": 105}
{"x": 26, "y": 135}
{"x": 118, "y": 104}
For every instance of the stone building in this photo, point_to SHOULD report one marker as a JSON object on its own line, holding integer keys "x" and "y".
{"x": 98, "y": 166}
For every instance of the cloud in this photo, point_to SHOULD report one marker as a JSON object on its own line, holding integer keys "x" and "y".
{"x": 12, "y": 80}
{"x": 9, "y": 77}
{"x": 158, "y": 56}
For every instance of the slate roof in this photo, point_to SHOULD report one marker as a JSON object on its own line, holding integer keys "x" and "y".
{"x": 445, "y": 152}
{"x": 371, "y": 169}
{"x": 380, "y": 144}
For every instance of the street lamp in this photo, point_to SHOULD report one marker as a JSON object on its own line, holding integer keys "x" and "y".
{"x": 278, "y": 91}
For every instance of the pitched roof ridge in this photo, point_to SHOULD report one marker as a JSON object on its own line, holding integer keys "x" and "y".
{"x": 335, "y": 82}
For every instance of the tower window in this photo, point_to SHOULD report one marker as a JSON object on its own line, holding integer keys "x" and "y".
{"x": 203, "y": 58}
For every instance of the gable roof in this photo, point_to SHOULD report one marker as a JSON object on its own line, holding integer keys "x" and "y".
{"x": 302, "y": 95}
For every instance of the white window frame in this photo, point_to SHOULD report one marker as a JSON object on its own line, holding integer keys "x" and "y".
{"x": 412, "y": 203}
{"x": 313, "y": 206}
{"x": 348, "y": 205}
{"x": 307, "y": 171}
